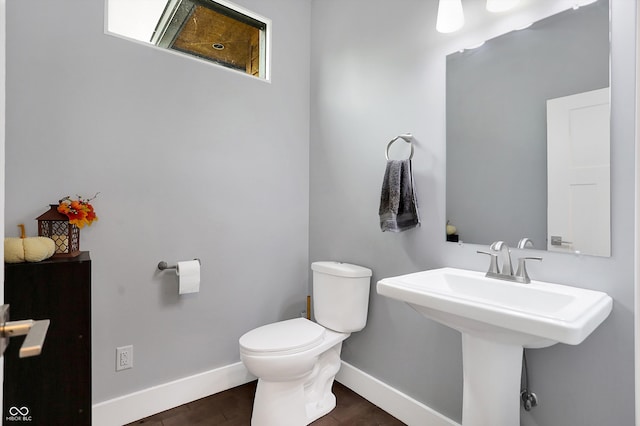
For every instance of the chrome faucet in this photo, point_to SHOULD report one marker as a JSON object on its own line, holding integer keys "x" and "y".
{"x": 501, "y": 246}
{"x": 506, "y": 271}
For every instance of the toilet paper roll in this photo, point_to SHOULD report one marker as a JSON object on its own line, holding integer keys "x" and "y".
{"x": 188, "y": 276}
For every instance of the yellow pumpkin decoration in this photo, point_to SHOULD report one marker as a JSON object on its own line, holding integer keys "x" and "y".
{"x": 28, "y": 249}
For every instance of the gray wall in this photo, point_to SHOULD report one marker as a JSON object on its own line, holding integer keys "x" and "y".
{"x": 380, "y": 72}
{"x": 191, "y": 160}
{"x": 497, "y": 120}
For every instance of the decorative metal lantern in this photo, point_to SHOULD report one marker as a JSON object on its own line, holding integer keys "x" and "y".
{"x": 66, "y": 236}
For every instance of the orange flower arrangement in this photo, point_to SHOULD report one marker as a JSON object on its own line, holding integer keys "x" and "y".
{"x": 80, "y": 212}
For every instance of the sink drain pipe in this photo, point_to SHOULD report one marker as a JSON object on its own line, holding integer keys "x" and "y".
{"x": 528, "y": 398}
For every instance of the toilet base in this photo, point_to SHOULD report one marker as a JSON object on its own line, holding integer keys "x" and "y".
{"x": 298, "y": 402}
{"x": 279, "y": 403}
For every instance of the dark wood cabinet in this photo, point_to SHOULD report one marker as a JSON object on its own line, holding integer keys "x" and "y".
{"x": 53, "y": 388}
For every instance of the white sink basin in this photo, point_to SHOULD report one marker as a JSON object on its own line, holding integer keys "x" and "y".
{"x": 497, "y": 319}
{"x": 533, "y": 315}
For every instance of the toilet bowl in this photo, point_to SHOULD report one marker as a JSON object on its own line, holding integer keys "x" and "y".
{"x": 295, "y": 371}
{"x": 297, "y": 360}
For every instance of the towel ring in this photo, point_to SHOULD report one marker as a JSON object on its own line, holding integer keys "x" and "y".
{"x": 407, "y": 137}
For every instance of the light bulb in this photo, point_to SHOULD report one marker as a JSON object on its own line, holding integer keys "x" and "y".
{"x": 501, "y": 5}
{"x": 450, "y": 16}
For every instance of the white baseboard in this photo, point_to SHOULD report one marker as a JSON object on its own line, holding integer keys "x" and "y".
{"x": 394, "y": 402}
{"x": 147, "y": 402}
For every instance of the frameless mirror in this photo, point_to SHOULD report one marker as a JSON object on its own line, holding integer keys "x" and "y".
{"x": 528, "y": 136}
{"x": 214, "y": 31}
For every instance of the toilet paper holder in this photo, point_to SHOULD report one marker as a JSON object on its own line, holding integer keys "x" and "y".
{"x": 164, "y": 265}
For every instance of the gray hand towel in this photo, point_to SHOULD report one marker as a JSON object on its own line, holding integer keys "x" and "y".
{"x": 398, "y": 206}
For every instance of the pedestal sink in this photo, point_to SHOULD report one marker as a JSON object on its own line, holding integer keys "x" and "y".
{"x": 497, "y": 320}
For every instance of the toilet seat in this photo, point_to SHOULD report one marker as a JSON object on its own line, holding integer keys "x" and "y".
{"x": 282, "y": 338}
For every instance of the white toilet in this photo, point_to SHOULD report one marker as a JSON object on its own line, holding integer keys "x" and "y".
{"x": 296, "y": 360}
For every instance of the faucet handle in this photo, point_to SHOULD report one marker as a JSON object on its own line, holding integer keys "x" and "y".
{"x": 493, "y": 265}
{"x": 521, "y": 274}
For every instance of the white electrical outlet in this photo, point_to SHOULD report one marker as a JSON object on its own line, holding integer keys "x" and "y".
{"x": 124, "y": 357}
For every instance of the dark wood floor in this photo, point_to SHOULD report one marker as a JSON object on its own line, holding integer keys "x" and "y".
{"x": 233, "y": 408}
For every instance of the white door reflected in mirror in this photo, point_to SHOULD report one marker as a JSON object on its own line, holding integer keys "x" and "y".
{"x": 578, "y": 173}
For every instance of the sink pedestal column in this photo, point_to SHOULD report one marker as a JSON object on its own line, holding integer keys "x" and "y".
{"x": 492, "y": 373}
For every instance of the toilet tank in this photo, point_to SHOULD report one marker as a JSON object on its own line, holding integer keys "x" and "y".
{"x": 341, "y": 295}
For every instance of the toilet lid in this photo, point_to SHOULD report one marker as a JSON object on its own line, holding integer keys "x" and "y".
{"x": 291, "y": 336}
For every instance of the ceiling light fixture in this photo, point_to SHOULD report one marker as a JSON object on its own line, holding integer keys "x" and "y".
{"x": 450, "y": 16}
{"x": 497, "y": 6}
